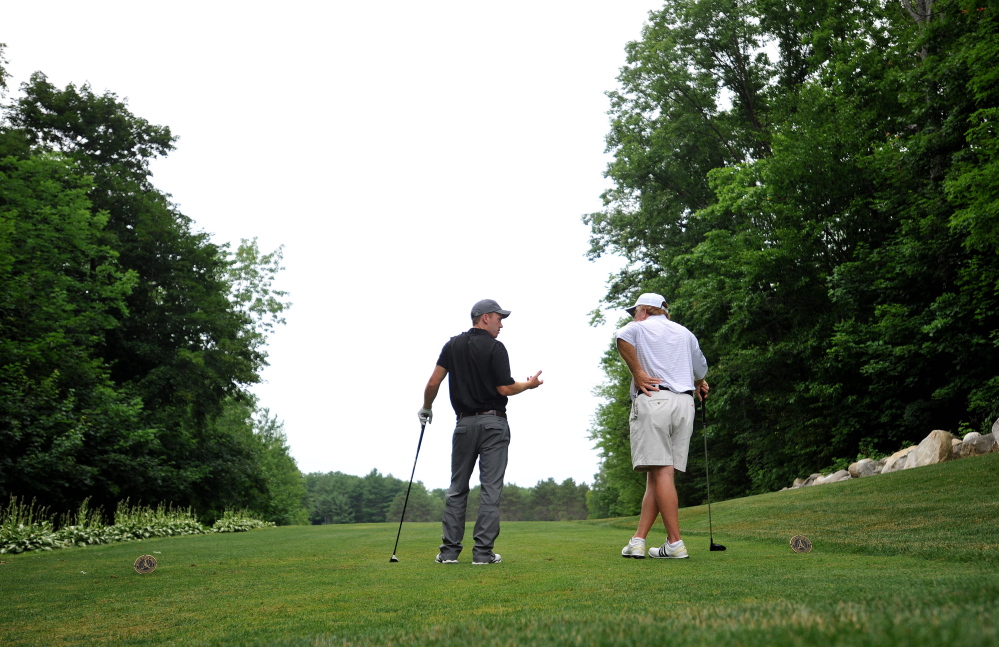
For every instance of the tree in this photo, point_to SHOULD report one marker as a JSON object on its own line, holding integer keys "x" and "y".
{"x": 836, "y": 258}
{"x": 422, "y": 506}
{"x": 63, "y": 426}
{"x": 122, "y": 384}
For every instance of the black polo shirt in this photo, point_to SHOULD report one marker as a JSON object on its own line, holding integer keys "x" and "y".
{"x": 477, "y": 363}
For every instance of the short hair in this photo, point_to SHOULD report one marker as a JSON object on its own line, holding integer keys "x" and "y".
{"x": 476, "y": 320}
{"x": 653, "y": 311}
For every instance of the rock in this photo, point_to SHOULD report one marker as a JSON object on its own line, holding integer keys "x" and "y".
{"x": 971, "y": 435}
{"x": 935, "y": 448}
{"x": 897, "y": 461}
{"x": 811, "y": 479}
{"x": 841, "y": 475}
{"x": 864, "y": 467}
{"x": 977, "y": 445}
{"x": 955, "y": 450}
{"x": 995, "y": 427}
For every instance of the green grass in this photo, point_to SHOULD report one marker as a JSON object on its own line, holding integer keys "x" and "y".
{"x": 901, "y": 559}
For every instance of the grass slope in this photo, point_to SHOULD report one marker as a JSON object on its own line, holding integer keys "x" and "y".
{"x": 900, "y": 559}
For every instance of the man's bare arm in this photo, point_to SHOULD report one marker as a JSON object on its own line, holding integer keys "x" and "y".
{"x": 519, "y": 387}
{"x": 433, "y": 386}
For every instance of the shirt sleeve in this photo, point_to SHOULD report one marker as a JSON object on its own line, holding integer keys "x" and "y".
{"x": 629, "y": 334}
{"x": 444, "y": 360}
{"x": 501, "y": 366}
{"x": 700, "y": 364}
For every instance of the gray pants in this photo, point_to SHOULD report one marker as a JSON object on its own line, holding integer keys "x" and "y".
{"x": 486, "y": 438}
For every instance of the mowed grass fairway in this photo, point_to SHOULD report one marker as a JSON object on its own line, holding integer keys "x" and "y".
{"x": 910, "y": 558}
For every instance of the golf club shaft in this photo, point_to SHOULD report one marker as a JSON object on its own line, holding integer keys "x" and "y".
{"x": 707, "y": 475}
{"x": 406, "y": 502}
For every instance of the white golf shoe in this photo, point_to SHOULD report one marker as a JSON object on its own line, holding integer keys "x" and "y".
{"x": 670, "y": 552}
{"x": 492, "y": 559}
{"x": 635, "y": 548}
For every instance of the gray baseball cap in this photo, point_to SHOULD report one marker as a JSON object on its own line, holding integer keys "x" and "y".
{"x": 486, "y": 306}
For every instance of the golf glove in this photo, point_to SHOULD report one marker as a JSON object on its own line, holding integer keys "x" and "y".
{"x": 426, "y": 416}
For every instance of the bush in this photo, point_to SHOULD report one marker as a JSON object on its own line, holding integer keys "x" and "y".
{"x": 25, "y": 527}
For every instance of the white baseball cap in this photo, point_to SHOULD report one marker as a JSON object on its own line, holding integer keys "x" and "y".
{"x": 647, "y": 299}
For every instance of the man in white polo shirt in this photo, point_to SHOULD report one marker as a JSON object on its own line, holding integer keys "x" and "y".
{"x": 667, "y": 369}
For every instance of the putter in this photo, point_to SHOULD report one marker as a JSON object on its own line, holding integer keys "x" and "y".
{"x": 406, "y": 502}
{"x": 704, "y": 432}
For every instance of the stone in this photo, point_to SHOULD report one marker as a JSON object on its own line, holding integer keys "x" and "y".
{"x": 971, "y": 435}
{"x": 897, "y": 461}
{"x": 935, "y": 448}
{"x": 798, "y": 482}
{"x": 841, "y": 475}
{"x": 864, "y": 467}
{"x": 977, "y": 445}
{"x": 811, "y": 479}
{"x": 955, "y": 450}
{"x": 995, "y": 427}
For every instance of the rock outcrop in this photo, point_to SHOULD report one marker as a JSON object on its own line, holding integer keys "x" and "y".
{"x": 935, "y": 448}
{"x": 865, "y": 467}
{"x": 938, "y": 447}
{"x": 897, "y": 461}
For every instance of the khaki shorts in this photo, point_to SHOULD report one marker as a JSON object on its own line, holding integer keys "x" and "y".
{"x": 661, "y": 426}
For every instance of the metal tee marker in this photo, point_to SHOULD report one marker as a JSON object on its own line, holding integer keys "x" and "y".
{"x": 800, "y": 544}
{"x": 145, "y": 564}
{"x": 406, "y": 503}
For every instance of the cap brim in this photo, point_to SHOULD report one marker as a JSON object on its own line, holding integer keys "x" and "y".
{"x": 631, "y": 310}
{"x": 503, "y": 313}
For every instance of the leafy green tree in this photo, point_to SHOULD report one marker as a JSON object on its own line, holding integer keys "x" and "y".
{"x": 833, "y": 250}
{"x": 64, "y": 428}
{"x": 331, "y": 497}
{"x": 286, "y": 495}
{"x": 180, "y": 340}
{"x": 515, "y": 503}
{"x": 422, "y": 505}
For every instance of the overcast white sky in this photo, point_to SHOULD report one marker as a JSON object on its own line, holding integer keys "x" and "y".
{"x": 412, "y": 158}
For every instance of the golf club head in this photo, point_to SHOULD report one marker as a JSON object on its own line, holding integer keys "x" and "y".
{"x": 393, "y": 558}
{"x": 716, "y": 547}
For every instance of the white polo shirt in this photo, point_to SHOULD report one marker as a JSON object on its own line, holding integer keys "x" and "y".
{"x": 666, "y": 350}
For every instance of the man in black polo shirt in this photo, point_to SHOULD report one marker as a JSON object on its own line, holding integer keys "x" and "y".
{"x": 479, "y": 387}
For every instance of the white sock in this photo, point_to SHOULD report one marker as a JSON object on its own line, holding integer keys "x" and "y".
{"x": 672, "y": 545}
{"x": 636, "y": 539}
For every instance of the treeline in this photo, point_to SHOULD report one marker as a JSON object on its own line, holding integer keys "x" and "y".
{"x": 814, "y": 187}
{"x": 127, "y": 338}
{"x": 344, "y": 498}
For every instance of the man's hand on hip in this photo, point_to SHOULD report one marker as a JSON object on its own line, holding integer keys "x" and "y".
{"x": 645, "y": 383}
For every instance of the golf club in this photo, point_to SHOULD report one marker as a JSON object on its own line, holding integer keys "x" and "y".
{"x": 406, "y": 503}
{"x": 704, "y": 432}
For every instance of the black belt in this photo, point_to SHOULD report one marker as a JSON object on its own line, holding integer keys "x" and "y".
{"x": 690, "y": 393}
{"x": 490, "y": 412}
